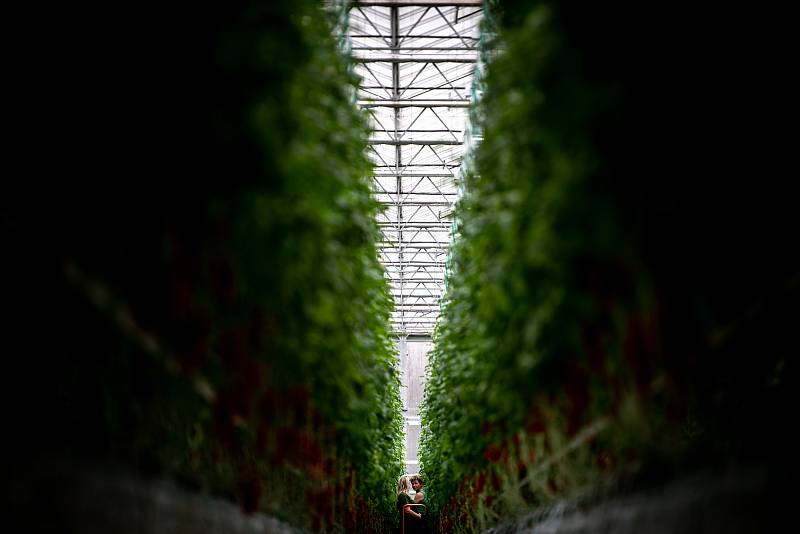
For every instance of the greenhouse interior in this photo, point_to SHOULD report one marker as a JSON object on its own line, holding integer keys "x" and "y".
{"x": 401, "y": 266}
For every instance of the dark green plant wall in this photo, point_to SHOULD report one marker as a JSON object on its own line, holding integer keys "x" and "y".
{"x": 196, "y": 292}
{"x": 619, "y": 306}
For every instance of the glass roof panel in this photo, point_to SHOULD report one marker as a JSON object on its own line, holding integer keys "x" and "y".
{"x": 416, "y": 64}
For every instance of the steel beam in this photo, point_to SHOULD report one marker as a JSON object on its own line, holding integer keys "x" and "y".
{"x": 397, "y": 58}
{"x": 424, "y": 3}
{"x": 403, "y": 203}
{"x": 437, "y": 37}
{"x": 439, "y": 281}
{"x": 437, "y": 227}
{"x": 437, "y": 88}
{"x": 416, "y": 142}
{"x": 417, "y": 175}
{"x": 414, "y": 104}
{"x": 416, "y": 48}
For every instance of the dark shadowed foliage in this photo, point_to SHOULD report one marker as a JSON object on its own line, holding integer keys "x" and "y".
{"x": 622, "y": 299}
{"x": 191, "y": 286}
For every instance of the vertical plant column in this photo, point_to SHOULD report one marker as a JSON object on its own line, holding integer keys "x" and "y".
{"x": 222, "y": 317}
{"x": 596, "y": 321}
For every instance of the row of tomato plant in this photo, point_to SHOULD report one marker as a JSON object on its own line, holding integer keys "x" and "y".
{"x": 602, "y": 322}
{"x": 222, "y": 314}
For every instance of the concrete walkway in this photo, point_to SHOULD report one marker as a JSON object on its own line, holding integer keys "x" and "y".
{"x": 101, "y": 500}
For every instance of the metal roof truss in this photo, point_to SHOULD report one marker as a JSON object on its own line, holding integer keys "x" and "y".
{"x": 416, "y": 60}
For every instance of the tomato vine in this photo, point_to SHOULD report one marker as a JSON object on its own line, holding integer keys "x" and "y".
{"x": 223, "y": 316}
{"x": 585, "y": 284}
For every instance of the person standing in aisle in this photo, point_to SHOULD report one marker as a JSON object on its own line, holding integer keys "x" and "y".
{"x": 419, "y": 498}
{"x": 412, "y": 518}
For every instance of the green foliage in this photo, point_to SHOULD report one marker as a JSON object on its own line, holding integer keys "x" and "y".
{"x": 572, "y": 339}
{"x": 225, "y": 318}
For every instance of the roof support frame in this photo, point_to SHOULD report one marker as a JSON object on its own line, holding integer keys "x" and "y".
{"x": 419, "y": 113}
